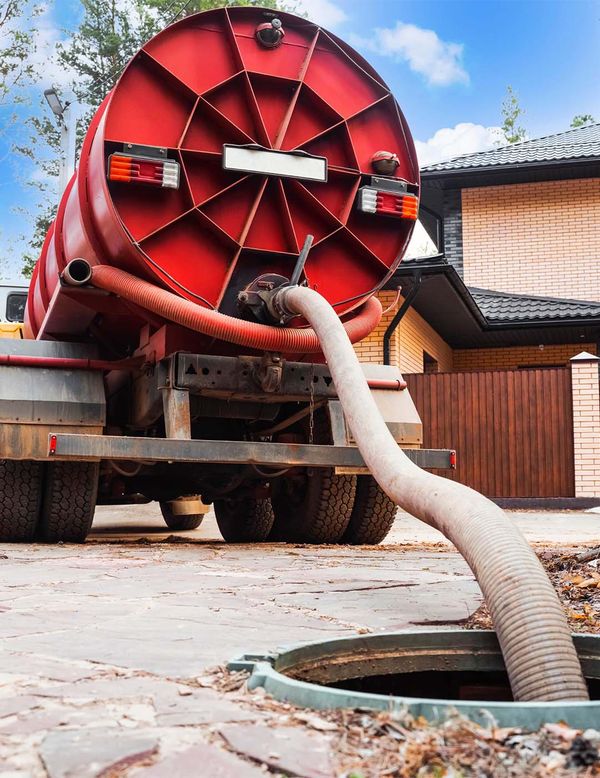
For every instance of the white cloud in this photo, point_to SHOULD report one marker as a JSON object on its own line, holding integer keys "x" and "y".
{"x": 322, "y": 12}
{"x": 464, "y": 138}
{"x": 44, "y": 58}
{"x": 438, "y": 61}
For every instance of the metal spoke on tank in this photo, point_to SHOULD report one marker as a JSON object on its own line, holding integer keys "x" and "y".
{"x": 341, "y": 125}
{"x": 256, "y": 114}
{"x": 228, "y": 124}
{"x": 228, "y": 276}
{"x": 230, "y": 208}
{"x": 294, "y": 100}
{"x": 368, "y": 107}
{"x": 286, "y": 119}
{"x": 223, "y": 191}
{"x": 288, "y": 224}
{"x": 174, "y": 66}
{"x": 366, "y": 250}
{"x": 153, "y": 62}
{"x": 307, "y": 105}
{"x": 162, "y": 227}
{"x": 352, "y": 146}
{"x": 216, "y": 229}
{"x": 345, "y": 54}
{"x": 309, "y": 55}
{"x": 252, "y": 213}
{"x": 233, "y": 41}
{"x": 345, "y": 214}
{"x": 320, "y": 134}
{"x": 314, "y": 203}
{"x": 187, "y": 124}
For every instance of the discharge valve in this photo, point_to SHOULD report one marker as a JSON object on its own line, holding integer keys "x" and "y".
{"x": 261, "y": 298}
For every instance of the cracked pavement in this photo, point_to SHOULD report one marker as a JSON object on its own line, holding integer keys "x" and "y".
{"x": 103, "y": 644}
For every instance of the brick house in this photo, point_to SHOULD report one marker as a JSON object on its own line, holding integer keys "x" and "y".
{"x": 515, "y": 287}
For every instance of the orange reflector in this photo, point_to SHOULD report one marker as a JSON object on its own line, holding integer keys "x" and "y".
{"x": 143, "y": 170}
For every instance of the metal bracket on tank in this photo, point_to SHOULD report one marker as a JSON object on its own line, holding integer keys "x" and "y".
{"x": 146, "y": 151}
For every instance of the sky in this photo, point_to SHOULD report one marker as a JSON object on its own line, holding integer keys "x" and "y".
{"x": 448, "y": 62}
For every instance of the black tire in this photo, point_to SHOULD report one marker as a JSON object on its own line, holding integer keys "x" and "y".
{"x": 20, "y": 499}
{"x": 313, "y": 508}
{"x": 372, "y": 516}
{"x": 69, "y": 501}
{"x": 244, "y": 521}
{"x": 180, "y": 523}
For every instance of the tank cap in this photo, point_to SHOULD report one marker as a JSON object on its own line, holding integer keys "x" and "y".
{"x": 270, "y": 34}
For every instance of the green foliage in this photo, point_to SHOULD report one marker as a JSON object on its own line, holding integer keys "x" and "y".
{"x": 581, "y": 119}
{"x": 42, "y": 220}
{"x": 511, "y": 114}
{"x": 17, "y": 43}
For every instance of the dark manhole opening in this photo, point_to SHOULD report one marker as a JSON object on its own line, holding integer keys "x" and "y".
{"x": 427, "y": 673}
{"x": 449, "y": 685}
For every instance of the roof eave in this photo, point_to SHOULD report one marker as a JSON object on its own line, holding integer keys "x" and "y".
{"x": 434, "y": 265}
{"x": 461, "y": 172}
{"x": 511, "y": 324}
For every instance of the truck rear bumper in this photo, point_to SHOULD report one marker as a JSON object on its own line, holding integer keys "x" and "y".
{"x": 344, "y": 458}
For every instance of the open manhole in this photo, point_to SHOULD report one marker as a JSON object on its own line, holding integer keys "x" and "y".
{"x": 427, "y": 673}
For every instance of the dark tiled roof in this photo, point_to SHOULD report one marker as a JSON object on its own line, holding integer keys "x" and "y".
{"x": 500, "y": 307}
{"x": 578, "y": 143}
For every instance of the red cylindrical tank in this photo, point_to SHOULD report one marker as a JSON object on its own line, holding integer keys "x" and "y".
{"x": 187, "y": 177}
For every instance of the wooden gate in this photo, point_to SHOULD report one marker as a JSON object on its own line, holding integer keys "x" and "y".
{"x": 512, "y": 429}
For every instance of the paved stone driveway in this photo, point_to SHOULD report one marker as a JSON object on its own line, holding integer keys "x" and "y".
{"x": 103, "y": 644}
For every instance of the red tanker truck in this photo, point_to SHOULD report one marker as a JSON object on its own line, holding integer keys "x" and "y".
{"x": 240, "y": 152}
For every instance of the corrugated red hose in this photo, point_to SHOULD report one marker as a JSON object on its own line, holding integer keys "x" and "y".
{"x": 218, "y": 325}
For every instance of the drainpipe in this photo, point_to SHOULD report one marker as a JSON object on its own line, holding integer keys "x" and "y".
{"x": 399, "y": 315}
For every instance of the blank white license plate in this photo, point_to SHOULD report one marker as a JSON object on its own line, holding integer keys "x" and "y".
{"x": 265, "y": 162}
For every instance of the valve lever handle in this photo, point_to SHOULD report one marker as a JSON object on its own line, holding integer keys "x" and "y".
{"x": 302, "y": 257}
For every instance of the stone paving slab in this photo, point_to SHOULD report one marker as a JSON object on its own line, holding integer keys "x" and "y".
{"x": 286, "y": 750}
{"x": 103, "y": 644}
{"x": 83, "y": 754}
{"x": 205, "y": 760}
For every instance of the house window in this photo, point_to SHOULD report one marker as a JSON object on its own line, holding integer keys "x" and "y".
{"x": 430, "y": 365}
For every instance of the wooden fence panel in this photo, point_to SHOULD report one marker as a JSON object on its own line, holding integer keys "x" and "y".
{"x": 512, "y": 429}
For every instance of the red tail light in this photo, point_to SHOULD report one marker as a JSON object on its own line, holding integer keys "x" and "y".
{"x": 143, "y": 170}
{"x": 397, "y": 204}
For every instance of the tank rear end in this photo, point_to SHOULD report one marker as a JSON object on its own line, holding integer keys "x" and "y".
{"x": 230, "y": 138}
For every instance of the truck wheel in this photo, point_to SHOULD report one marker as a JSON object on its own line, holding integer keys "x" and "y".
{"x": 372, "y": 515}
{"x": 179, "y": 522}
{"x": 313, "y": 508}
{"x": 244, "y": 521}
{"x": 69, "y": 501}
{"x": 20, "y": 499}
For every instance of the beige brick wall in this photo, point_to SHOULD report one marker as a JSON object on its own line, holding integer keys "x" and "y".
{"x": 413, "y": 336}
{"x": 416, "y": 336}
{"x": 539, "y": 238}
{"x": 371, "y": 348}
{"x": 510, "y": 358}
{"x": 586, "y": 427}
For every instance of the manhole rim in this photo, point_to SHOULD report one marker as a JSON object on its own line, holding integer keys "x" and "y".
{"x": 531, "y": 715}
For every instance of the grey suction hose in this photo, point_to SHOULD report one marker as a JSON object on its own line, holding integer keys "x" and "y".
{"x": 531, "y": 627}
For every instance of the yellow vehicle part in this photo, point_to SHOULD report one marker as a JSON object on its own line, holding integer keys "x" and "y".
{"x": 11, "y": 330}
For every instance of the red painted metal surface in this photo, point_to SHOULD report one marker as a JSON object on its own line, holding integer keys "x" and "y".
{"x": 207, "y": 81}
